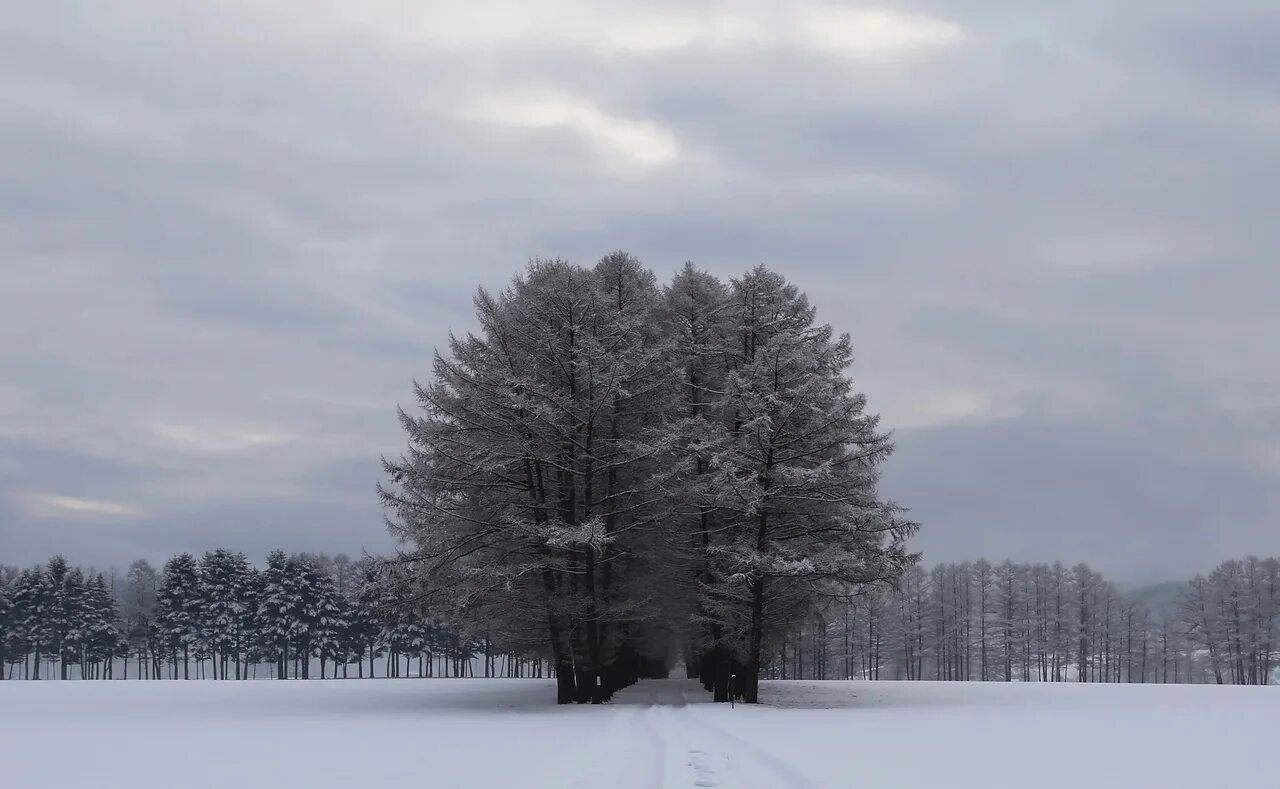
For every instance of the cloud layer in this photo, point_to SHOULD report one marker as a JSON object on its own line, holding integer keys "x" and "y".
{"x": 233, "y": 233}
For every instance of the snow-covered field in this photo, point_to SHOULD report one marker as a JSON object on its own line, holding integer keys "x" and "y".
{"x": 450, "y": 733}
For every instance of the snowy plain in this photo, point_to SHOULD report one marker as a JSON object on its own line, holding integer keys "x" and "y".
{"x": 452, "y": 733}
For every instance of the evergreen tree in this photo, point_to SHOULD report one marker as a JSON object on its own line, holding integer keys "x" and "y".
{"x": 224, "y": 600}
{"x": 366, "y": 622}
{"x": 78, "y": 617}
{"x": 275, "y": 610}
{"x": 31, "y": 632}
{"x": 303, "y": 588}
{"x": 103, "y": 639}
{"x": 178, "y": 611}
{"x": 56, "y": 623}
{"x": 8, "y": 631}
{"x": 329, "y": 630}
{"x": 246, "y": 636}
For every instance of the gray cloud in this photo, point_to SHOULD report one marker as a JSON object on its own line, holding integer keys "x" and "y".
{"x": 233, "y": 234}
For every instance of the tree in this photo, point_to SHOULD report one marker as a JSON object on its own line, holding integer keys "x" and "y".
{"x": 139, "y": 610}
{"x": 695, "y": 310}
{"x": 329, "y": 630}
{"x": 179, "y": 612}
{"x": 102, "y": 639}
{"x": 224, "y": 600}
{"x": 528, "y": 487}
{"x": 57, "y": 620}
{"x": 31, "y": 629}
{"x": 1232, "y": 615}
{"x": 571, "y": 457}
{"x": 1006, "y": 603}
{"x": 8, "y": 631}
{"x": 366, "y": 623}
{"x": 275, "y": 608}
{"x": 795, "y": 475}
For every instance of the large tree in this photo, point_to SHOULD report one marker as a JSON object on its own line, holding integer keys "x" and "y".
{"x": 622, "y": 464}
{"x": 794, "y": 473}
{"x": 528, "y": 487}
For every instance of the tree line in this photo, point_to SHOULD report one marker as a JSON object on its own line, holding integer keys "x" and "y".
{"x": 626, "y": 473}
{"x": 220, "y": 617}
{"x": 1045, "y": 623}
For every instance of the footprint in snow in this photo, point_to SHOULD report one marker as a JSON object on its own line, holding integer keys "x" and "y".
{"x": 705, "y": 776}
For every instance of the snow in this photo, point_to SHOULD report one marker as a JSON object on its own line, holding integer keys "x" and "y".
{"x": 505, "y": 733}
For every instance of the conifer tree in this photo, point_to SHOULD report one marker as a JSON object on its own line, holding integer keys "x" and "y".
{"x": 56, "y": 623}
{"x": 102, "y": 637}
{"x": 795, "y": 475}
{"x": 8, "y": 631}
{"x": 275, "y": 607}
{"x": 366, "y": 623}
{"x": 31, "y": 602}
{"x": 75, "y": 604}
{"x": 224, "y": 593}
{"x": 607, "y": 459}
{"x": 178, "y": 610}
{"x": 330, "y": 623}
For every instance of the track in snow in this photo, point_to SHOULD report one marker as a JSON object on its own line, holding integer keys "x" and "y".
{"x": 663, "y": 736}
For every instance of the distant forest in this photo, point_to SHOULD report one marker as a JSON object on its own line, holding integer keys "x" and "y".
{"x": 1047, "y": 623}
{"x": 303, "y": 616}
{"x": 313, "y": 616}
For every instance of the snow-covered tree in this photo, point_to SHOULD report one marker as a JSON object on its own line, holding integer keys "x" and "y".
{"x": 225, "y": 599}
{"x": 102, "y": 639}
{"x": 570, "y": 457}
{"x": 178, "y": 611}
{"x": 275, "y": 610}
{"x": 794, "y": 477}
{"x": 1233, "y": 617}
{"x": 8, "y": 631}
{"x": 31, "y": 630}
{"x": 138, "y": 608}
{"x": 329, "y": 628}
{"x": 528, "y": 482}
{"x": 365, "y": 625}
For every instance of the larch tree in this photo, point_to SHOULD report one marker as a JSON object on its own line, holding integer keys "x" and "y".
{"x": 527, "y": 485}
{"x": 138, "y": 608}
{"x": 795, "y": 477}
{"x": 612, "y": 460}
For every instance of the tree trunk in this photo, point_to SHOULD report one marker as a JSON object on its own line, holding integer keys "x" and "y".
{"x": 750, "y": 683}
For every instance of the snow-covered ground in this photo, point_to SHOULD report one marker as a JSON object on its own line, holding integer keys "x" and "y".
{"x": 451, "y": 733}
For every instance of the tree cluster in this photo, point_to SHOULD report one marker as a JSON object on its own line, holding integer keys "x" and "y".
{"x": 1044, "y": 623}
{"x": 630, "y": 473}
{"x": 968, "y": 621}
{"x": 219, "y": 616}
{"x": 1233, "y": 615}
{"x": 59, "y": 614}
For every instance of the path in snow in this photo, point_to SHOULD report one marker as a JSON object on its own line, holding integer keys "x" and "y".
{"x": 662, "y": 738}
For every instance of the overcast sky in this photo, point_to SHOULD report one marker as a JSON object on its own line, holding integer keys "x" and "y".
{"x": 232, "y": 232}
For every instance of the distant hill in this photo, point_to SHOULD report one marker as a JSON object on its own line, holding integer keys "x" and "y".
{"x": 1161, "y": 598}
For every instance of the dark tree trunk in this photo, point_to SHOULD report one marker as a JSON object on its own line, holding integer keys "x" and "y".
{"x": 750, "y": 680}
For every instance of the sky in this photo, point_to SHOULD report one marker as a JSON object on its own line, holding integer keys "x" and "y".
{"x": 232, "y": 233}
